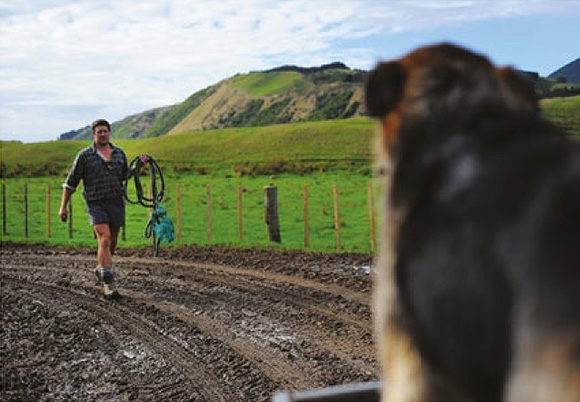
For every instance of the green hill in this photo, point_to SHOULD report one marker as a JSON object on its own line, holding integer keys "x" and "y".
{"x": 343, "y": 144}
{"x": 134, "y": 126}
{"x": 569, "y": 73}
{"x": 286, "y": 94}
{"x": 272, "y": 83}
{"x": 296, "y": 147}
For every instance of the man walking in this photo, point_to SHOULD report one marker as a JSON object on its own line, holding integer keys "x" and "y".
{"x": 103, "y": 168}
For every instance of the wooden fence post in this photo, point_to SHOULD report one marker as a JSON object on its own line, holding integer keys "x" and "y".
{"x": 272, "y": 218}
{"x": 178, "y": 211}
{"x": 4, "y": 228}
{"x": 306, "y": 231}
{"x": 371, "y": 215}
{"x": 240, "y": 232}
{"x": 336, "y": 216}
{"x": 48, "y": 212}
{"x": 208, "y": 212}
{"x": 25, "y": 210}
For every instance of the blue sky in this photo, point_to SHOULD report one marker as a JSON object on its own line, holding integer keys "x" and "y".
{"x": 65, "y": 63}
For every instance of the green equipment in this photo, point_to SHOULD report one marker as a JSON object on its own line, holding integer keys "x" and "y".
{"x": 160, "y": 226}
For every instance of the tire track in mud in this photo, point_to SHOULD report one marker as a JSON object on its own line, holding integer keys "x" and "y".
{"x": 270, "y": 363}
{"x": 238, "y": 333}
{"x": 293, "y": 288}
{"x": 318, "y": 324}
{"x": 160, "y": 266}
{"x": 330, "y": 309}
{"x": 322, "y": 312}
{"x": 329, "y": 329}
{"x": 207, "y": 384}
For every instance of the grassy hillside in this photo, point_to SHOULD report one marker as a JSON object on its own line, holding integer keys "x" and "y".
{"x": 277, "y": 97}
{"x": 260, "y": 84}
{"x": 301, "y": 148}
{"x": 286, "y": 94}
{"x": 166, "y": 122}
{"x": 37, "y": 159}
{"x": 564, "y": 112}
{"x": 297, "y": 147}
{"x": 134, "y": 126}
{"x": 283, "y": 95}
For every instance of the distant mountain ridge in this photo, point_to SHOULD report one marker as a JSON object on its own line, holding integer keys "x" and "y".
{"x": 280, "y": 95}
{"x": 130, "y": 127}
{"x": 309, "y": 70}
{"x": 570, "y": 72}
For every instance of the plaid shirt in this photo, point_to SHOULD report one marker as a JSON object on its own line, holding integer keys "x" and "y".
{"x": 101, "y": 179}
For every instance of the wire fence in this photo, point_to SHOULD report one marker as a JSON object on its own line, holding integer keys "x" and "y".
{"x": 324, "y": 217}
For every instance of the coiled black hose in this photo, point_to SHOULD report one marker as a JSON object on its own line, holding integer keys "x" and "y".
{"x": 157, "y": 182}
{"x": 160, "y": 226}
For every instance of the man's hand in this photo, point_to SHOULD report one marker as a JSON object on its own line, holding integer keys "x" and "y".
{"x": 63, "y": 214}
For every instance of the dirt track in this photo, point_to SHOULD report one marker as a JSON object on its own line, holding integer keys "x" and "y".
{"x": 195, "y": 324}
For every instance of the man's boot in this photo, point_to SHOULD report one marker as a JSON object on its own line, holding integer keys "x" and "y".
{"x": 109, "y": 287}
{"x": 98, "y": 279}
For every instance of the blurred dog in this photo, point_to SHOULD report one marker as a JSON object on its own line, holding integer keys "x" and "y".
{"x": 477, "y": 292}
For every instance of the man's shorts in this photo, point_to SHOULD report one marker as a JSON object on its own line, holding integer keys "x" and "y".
{"x": 111, "y": 211}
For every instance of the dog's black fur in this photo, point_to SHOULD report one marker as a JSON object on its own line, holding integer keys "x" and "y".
{"x": 478, "y": 289}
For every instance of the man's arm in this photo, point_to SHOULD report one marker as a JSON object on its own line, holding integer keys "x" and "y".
{"x": 63, "y": 212}
{"x": 72, "y": 181}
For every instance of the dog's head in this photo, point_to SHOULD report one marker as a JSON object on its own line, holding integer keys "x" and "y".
{"x": 445, "y": 89}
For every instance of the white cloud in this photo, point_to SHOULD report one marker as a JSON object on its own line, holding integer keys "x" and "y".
{"x": 64, "y": 63}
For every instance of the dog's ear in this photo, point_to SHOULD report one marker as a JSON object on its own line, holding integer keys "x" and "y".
{"x": 384, "y": 88}
{"x": 520, "y": 91}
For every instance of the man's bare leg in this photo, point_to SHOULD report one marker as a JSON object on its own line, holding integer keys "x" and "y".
{"x": 107, "y": 241}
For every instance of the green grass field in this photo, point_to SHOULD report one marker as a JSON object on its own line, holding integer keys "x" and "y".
{"x": 314, "y": 154}
{"x": 292, "y": 156}
{"x": 315, "y": 146}
{"x": 192, "y": 224}
{"x": 564, "y": 112}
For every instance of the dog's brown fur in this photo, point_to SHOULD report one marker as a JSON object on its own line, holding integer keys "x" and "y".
{"x": 477, "y": 292}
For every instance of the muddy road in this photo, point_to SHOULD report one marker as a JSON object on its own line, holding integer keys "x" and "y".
{"x": 194, "y": 324}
